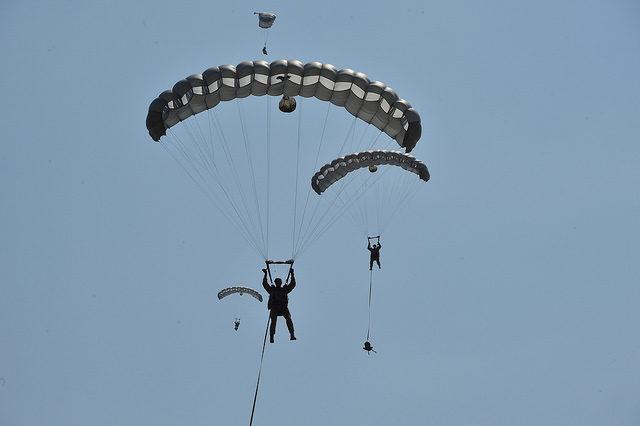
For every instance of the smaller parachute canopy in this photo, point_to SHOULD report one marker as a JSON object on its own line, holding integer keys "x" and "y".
{"x": 265, "y": 20}
{"x": 337, "y": 169}
{"x": 239, "y": 290}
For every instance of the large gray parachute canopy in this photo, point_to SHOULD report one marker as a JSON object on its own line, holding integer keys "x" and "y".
{"x": 340, "y": 167}
{"x": 371, "y": 101}
{"x": 239, "y": 290}
{"x": 265, "y": 20}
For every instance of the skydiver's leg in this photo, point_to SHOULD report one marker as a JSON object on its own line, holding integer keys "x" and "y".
{"x": 371, "y": 263}
{"x": 378, "y": 262}
{"x": 272, "y": 327}
{"x": 287, "y": 316}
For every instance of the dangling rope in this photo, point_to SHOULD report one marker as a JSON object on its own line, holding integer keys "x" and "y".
{"x": 255, "y": 395}
{"x": 370, "y": 286}
{"x": 266, "y": 39}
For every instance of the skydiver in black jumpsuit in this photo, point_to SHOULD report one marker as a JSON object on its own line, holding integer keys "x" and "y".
{"x": 375, "y": 254}
{"x": 278, "y": 304}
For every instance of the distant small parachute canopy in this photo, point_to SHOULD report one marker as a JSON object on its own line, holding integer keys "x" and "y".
{"x": 265, "y": 19}
{"x": 239, "y": 290}
{"x": 332, "y": 172}
{"x": 373, "y": 168}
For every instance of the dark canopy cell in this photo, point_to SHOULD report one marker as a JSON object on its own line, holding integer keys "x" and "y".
{"x": 340, "y": 167}
{"x": 371, "y": 101}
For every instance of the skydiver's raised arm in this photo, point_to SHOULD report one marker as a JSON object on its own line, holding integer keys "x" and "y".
{"x": 369, "y": 244}
{"x": 265, "y": 283}
{"x": 292, "y": 283}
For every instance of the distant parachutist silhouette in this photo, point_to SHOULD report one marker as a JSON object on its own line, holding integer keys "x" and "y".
{"x": 367, "y": 347}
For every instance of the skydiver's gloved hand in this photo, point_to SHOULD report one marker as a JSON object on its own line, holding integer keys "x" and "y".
{"x": 264, "y": 270}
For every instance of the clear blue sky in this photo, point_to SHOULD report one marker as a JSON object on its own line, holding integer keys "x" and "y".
{"x": 509, "y": 294}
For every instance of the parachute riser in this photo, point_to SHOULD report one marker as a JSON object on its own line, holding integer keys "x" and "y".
{"x": 279, "y": 262}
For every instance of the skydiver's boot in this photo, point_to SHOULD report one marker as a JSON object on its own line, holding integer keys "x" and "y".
{"x": 293, "y": 337}
{"x": 271, "y": 338}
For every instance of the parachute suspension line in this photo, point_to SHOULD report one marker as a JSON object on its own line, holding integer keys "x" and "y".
{"x": 315, "y": 210}
{"x": 255, "y": 395}
{"x": 253, "y": 174}
{"x": 207, "y": 161}
{"x": 208, "y": 164}
{"x": 197, "y": 164}
{"x": 217, "y": 178}
{"x": 346, "y": 138}
{"x": 350, "y": 136}
{"x": 354, "y": 218}
{"x": 409, "y": 192}
{"x": 374, "y": 141}
{"x": 247, "y": 146}
{"x": 359, "y": 145}
{"x": 268, "y": 168}
{"x": 266, "y": 39}
{"x": 370, "y": 287}
{"x": 295, "y": 191}
{"x": 207, "y": 142}
{"x": 400, "y": 190}
{"x": 360, "y": 209}
{"x": 210, "y": 196}
{"x": 378, "y": 201}
{"x": 337, "y": 215}
{"x": 217, "y": 175}
{"x": 317, "y": 205}
{"x": 315, "y": 166}
{"x": 353, "y": 135}
{"x": 379, "y": 205}
{"x": 227, "y": 151}
{"x": 365, "y": 210}
{"x": 396, "y": 189}
{"x": 319, "y": 224}
{"x": 310, "y": 235}
{"x": 199, "y": 140}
